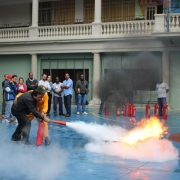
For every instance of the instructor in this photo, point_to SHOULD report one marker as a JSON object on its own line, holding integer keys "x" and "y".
{"x": 24, "y": 105}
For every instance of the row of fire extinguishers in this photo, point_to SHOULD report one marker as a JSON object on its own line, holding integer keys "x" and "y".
{"x": 128, "y": 110}
{"x": 156, "y": 108}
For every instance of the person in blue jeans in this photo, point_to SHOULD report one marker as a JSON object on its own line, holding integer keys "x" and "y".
{"x": 67, "y": 89}
{"x": 10, "y": 91}
{"x": 81, "y": 89}
{"x": 57, "y": 98}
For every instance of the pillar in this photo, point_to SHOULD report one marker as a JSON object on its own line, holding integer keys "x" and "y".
{"x": 96, "y": 79}
{"x": 96, "y": 25}
{"x": 165, "y": 69}
{"x": 35, "y": 11}
{"x": 34, "y": 65}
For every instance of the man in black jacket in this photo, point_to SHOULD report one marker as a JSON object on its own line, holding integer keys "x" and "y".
{"x": 22, "y": 106}
{"x": 31, "y": 83}
{"x": 81, "y": 89}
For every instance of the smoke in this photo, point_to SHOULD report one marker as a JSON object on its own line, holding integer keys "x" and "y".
{"x": 106, "y": 139}
{"x": 124, "y": 75}
{"x": 37, "y": 163}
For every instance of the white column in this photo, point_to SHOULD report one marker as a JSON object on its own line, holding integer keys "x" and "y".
{"x": 159, "y": 25}
{"x": 34, "y": 65}
{"x": 96, "y": 25}
{"x": 96, "y": 79}
{"x": 165, "y": 69}
{"x": 97, "y": 11}
{"x": 79, "y": 10}
{"x": 35, "y": 11}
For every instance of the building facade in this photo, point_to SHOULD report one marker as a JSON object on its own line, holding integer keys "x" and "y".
{"x": 92, "y": 37}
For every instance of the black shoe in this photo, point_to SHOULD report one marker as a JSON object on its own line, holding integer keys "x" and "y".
{"x": 61, "y": 114}
{"x": 28, "y": 143}
{"x": 15, "y": 140}
{"x": 99, "y": 112}
{"x": 47, "y": 142}
{"x": 67, "y": 115}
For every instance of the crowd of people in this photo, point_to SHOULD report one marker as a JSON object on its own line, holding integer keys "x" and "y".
{"x": 22, "y": 101}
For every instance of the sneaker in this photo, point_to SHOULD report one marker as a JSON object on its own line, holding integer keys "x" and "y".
{"x": 85, "y": 112}
{"x": 28, "y": 143}
{"x": 99, "y": 112}
{"x": 47, "y": 142}
{"x": 16, "y": 121}
{"x": 5, "y": 120}
{"x": 78, "y": 113}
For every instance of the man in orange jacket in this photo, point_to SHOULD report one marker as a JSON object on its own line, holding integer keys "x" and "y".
{"x": 42, "y": 107}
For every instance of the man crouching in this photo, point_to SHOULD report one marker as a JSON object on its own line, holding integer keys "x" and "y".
{"x": 24, "y": 105}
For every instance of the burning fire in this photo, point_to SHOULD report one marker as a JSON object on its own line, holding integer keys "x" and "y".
{"x": 146, "y": 129}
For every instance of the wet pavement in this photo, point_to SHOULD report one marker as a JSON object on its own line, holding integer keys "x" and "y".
{"x": 66, "y": 158}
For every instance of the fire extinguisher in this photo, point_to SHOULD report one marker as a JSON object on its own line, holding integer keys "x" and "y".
{"x": 129, "y": 110}
{"x": 165, "y": 106}
{"x": 133, "y": 111}
{"x": 148, "y": 111}
{"x": 124, "y": 110}
{"x": 40, "y": 134}
{"x": 118, "y": 113}
{"x": 156, "y": 107}
{"x": 106, "y": 109}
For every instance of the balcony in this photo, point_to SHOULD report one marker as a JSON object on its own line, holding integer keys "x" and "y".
{"x": 93, "y": 30}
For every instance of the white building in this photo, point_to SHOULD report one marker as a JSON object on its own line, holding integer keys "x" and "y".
{"x": 90, "y": 37}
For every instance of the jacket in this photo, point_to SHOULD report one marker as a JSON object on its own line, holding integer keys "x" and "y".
{"x": 10, "y": 91}
{"x": 31, "y": 82}
{"x": 81, "y": 88}
{"x": 26, "y": 104}
{"x": 21, "y": 90}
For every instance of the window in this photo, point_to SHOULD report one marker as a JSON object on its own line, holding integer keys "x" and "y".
{"x": 150, "y": 11}
{"x": 57, "y": 13}
{"x": 89, "y": 11}
{"x": 118, "y": 10}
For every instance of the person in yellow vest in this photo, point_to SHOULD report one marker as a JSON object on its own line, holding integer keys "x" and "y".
{"x": 42, "y": 107}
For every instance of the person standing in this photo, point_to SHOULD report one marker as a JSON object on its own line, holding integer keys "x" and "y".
{"x": 67, "y": 89}
{"x": 44, "y": 82}
{"x": 10, "y": 91}
{"x": 21, "y": 86}
{"x": 82, "y": 91}
{"x": 14, "y": 80}
{"x": 49, "y": 95}
{"x": 3, "y": 98}
{"x": 57, "y": 98}
{"x": 31, "y": 83}
{"x": 162, "y": 89}
{"x": 25, "y": 105}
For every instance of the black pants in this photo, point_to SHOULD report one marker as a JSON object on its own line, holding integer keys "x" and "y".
{"x": 161, "y": 102}
{"x": 3, "y": 105}
{"x": 49, "y": 102}
{"x": 24, "y": 126}
{"x": 67, "y": 103}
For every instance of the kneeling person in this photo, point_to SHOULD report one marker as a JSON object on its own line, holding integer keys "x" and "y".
{"x": 25, "y": 105}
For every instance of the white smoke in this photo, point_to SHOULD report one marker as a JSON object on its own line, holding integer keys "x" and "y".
{"x": 102, "y": 136}
{"x": 37, "y": 163}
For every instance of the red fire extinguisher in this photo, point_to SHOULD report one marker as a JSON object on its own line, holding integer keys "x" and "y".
{"x": 40, "y": 134}
{"x": 129, "y": 110}
{"x": 148, "y": 111}
{"x": 156, "y": 107}
{"x": 165, "y": 106}
{"x": 118, "y": 113}
{"x": 124, "y": 110}
{"x": 106, "y": 109}
{"x": 133, "y": 111}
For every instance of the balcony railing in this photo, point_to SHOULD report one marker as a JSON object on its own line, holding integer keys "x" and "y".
{"x": 93, "y": 30}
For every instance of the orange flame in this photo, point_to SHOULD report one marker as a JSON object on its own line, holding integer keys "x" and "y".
{"x": 146, "y": 129}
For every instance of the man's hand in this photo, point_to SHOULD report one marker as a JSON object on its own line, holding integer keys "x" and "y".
{"x": 47, "y": 119}
{"x": 15, "y": 100}
{"x": 43, "y": 114}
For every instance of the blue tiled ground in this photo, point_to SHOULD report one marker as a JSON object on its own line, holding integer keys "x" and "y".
{"x": 67, "y": 159}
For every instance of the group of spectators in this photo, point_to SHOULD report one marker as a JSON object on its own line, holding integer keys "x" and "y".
{"x": 12, "y": 85}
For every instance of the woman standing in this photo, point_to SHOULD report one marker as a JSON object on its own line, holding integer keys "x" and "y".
{"x": 21, "y": 86}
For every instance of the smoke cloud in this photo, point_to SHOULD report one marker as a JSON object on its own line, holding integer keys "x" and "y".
{"x": 37, "y": 163}
{"x": 104, "y": 137}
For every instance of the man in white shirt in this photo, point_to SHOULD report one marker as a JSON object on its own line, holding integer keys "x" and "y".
{"x": 162, "y": 89}
{"x": 44, "y": 82}
{"x": 57, "y": 98}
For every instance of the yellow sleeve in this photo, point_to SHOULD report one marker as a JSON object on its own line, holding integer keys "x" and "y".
{"x": 42, "y": 104}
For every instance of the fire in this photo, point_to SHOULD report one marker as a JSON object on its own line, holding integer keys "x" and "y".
{"x": 146, "y": 129}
